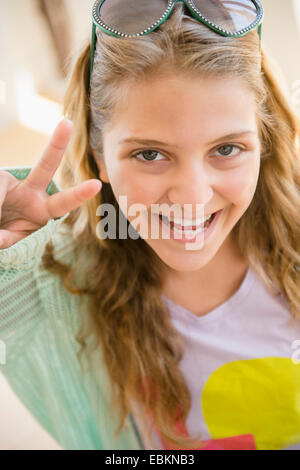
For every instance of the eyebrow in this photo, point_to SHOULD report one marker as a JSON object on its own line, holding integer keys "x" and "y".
{"x": 136, "y": 140}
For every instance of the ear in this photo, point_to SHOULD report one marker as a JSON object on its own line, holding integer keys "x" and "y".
{"x": 101, "y": 166}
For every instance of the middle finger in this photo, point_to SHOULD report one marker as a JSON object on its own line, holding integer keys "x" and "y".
{"x": 43, "y": 170}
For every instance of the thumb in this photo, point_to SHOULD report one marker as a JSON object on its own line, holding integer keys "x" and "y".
{"x": 8, "y": 238}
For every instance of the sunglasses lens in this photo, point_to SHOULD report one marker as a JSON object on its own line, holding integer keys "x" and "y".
{"x": 132, "y": 16}
{"x": 231, "y": 15}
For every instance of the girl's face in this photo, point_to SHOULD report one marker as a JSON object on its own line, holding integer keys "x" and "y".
{"x": 197, "y": 162}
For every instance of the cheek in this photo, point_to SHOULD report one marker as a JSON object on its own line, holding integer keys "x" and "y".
{"x": 240, "y": 186}
{"x": 137, "y": 189}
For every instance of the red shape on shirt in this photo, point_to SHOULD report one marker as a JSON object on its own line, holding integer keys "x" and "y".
{"x": 238, "y": 442}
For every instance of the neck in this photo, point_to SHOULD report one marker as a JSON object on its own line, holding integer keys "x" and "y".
{"x": 222, "y": 275}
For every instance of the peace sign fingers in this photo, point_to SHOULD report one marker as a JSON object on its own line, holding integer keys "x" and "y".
{"x": 42, "y": 172}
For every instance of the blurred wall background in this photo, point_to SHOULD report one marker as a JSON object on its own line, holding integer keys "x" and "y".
{"x": 36, "y": 40}
{"x": 32, "y": 81}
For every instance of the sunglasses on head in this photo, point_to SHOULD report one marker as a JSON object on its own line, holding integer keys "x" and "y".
{"x": 133, "y": 19}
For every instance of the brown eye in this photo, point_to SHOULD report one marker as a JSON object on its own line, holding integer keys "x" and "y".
{"x": 226, "y": 151}
{"x": 149, "y": 155}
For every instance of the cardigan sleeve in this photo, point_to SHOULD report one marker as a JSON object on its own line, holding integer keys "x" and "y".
{"x": 38, "y": 325}
{"x": 20, "y": 302}
{"x": 39, "y": 321}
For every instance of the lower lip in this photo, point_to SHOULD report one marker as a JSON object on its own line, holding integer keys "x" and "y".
{"x": 205, "y": 234}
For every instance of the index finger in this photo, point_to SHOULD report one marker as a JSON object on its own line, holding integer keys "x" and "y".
{"x": 43, "y": 170}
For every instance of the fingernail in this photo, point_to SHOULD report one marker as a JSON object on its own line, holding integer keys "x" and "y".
{"x": 68, "y": 121}
{"x": 99, "y": 184}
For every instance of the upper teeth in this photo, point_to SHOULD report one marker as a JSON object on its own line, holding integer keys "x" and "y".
{"x": 187, "y": 223}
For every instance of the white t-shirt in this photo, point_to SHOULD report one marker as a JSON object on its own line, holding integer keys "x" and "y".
{"x": 238, "y": 364}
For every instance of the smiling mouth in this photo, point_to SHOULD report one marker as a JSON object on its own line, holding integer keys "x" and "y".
{"x": 186, "y": 228}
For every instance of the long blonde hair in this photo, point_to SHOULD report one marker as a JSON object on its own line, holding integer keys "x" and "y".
{"x": 127, "y": 315}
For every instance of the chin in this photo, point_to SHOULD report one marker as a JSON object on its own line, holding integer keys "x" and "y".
{"x": 186, "y": 260}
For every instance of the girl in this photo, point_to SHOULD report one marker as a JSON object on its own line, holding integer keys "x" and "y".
{"x": 131, "y": 343}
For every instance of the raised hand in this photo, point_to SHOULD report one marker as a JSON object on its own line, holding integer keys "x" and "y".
{"x": 25, "y": 205}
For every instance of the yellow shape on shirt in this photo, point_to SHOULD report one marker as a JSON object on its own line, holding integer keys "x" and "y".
{"x": 255, "y": 396}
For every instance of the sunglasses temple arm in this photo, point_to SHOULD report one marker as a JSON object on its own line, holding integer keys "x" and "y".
{"x": 93, "y": 44}
{"x": 259, "y": 34}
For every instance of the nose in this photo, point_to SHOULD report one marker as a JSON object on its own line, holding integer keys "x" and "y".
{"x": 192, "y": 185}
